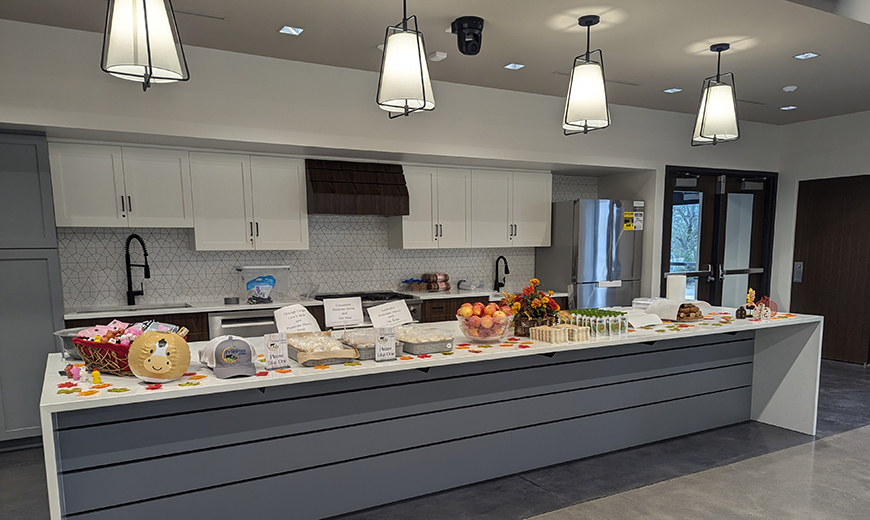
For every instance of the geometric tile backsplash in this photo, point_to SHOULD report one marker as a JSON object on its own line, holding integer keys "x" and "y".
{"x": 347, "y": 253}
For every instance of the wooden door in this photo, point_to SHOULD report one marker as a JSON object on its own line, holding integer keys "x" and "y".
{"x": 279, "y": 195}
{"x": 157, "y": 182}
{"x": 833, "y": 244}
{"x": 454, "y": 208}
{"x": 222, "y": 216}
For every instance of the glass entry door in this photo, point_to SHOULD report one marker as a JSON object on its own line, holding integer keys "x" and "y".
{"x": 718, "y": 232}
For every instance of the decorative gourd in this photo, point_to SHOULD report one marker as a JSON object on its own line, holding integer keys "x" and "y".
{"x": 158, "y": 357}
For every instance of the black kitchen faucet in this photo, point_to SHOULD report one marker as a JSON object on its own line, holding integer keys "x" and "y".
{"x": 131, "y": 294}
{"x": 498, "y": 285}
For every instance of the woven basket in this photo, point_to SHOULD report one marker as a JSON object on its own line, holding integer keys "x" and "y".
{"x": 108, "y": 358}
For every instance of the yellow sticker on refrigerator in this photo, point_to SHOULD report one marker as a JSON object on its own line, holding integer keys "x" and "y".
{"x": 628, "y": 221}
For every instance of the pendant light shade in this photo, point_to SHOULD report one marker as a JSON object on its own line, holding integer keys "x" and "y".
{"x": 141, "y": 42}
{"x": 404, "y": 86}
{"x": 586, "y": 105}
{"x": 717, "y": 113}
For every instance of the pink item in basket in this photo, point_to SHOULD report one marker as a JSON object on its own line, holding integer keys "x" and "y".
{"x": 101, "y": 330}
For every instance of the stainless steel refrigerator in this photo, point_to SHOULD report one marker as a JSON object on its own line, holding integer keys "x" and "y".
{"x": 595, "y": 252}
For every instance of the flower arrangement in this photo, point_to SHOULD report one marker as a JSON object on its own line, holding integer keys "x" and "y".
{"x": 531, "y": 302}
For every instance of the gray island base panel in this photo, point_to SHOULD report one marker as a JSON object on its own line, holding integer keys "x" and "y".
{"x": 321, "y": 448}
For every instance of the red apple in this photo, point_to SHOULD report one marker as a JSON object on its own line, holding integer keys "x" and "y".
{"x": 473, "y": 322}
{"x": 465, "y": 312}
{"x": 490, "y": 309}
{"x": 486, "y": 322}
{"x": 507, "y": 310}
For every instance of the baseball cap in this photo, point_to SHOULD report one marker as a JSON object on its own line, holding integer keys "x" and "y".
{"x": 228, "y": 356}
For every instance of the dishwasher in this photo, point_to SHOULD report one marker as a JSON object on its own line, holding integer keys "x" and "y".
{"x": 246, "y": 324}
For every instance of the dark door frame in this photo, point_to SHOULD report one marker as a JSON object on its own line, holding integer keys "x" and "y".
{"x": 718, "y": 210}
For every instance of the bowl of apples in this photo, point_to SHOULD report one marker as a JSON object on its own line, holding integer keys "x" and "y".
{"x": 481, "y": 322}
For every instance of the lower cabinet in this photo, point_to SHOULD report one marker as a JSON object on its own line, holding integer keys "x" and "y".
{"x": 196, "y": 323}
{"x": 443, "y": 309}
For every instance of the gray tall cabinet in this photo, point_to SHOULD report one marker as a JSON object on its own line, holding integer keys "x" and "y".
{"x": 31, "y": 295}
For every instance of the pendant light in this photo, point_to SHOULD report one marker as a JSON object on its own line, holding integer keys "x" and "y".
{"x": 141, "y": 42}
{"x": 717, "y": 112}
{"x": 586, "y": 106}
{"x": 404, "y": 86}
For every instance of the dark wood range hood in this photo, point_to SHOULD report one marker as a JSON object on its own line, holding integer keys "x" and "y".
{"x": 353, "y": 188}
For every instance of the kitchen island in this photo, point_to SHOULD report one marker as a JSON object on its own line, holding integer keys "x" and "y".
{"x": 313, "y": 442}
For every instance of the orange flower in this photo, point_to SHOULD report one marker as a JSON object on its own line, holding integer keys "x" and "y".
{"x": 536, "y": 303}
{"x": 535, "y": 281}
{"x": 528, "y": 290}
{"x": 550, "y": 293}
{"x": 545, "y": 299}
{"x": 553, "y": 305}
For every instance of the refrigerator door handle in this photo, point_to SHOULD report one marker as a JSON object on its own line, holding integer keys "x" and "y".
{"x": 612, "y": 229}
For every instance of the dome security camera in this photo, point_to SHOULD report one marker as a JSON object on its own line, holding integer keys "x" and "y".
{"x": 468, "y": 31}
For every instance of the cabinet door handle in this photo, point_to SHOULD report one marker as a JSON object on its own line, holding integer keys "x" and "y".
{"x": 440, "y": 230}
{"x": 516, "y": 230}
{"x": 258, "y": 228}
{"x": 436, "y": 231}
{"x": 252, "y": 229}
{"x": 129, "y": 204}
{"x": 122, "y": 204}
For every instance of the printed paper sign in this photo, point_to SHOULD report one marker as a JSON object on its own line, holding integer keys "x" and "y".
{"x": 642, "y": 319}
{"x": 295, "y": 318}
{"x": 638, "y": 220}
{"x": 385, "y": 344}
{"x": 390, "y": 314}
{"x": 343, "y": 311}
{"x": 628, "y": 221}
{"x": 276, "y": 351}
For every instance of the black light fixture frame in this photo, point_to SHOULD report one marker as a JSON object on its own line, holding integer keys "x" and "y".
{"x": 719, "y": 78}
{"x": 149, "y": 72}
{"x": 403, "y": 26}
{"x": 587, "y": 21}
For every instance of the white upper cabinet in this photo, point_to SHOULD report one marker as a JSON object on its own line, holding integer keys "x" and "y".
{"x": 440, "y": 210}
{"x": 158, "y": 187}
{"x": 454, "y": 208}
{"x": 279, "y": 197}
{"x": 87, "y": 184}
{"x": 245, "y": 203}
{"x": 418, "y": 229}
{"x": 491, "y": 224}
{"x": 222, "y": 209}
{"x": 113, "y": 186}
{"x": 511, "y": 209}
{"x": 532, "y": 209}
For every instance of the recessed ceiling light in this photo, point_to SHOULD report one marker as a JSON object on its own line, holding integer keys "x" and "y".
{"x": 672, "y": 90}
{"x": 790, "y": 107}
{"x": 292, "y": 31}
{"x": 514, "y": 66}
{"x": 789, "y": 88}
{"x": 806, "y": 55}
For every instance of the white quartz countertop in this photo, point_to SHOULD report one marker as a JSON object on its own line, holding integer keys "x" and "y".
{"x": 469, "y": 352}
{"x": 119, "y": 311}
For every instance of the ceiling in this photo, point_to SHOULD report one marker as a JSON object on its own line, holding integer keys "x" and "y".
{"x": 648, "y": 46}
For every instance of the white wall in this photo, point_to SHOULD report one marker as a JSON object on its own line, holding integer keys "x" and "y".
{"x": 51, "y": 80}
{"x": 833, "y": 147}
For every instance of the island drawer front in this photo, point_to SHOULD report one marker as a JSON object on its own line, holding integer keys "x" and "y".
{"x": 395, "y": 476}
{"x": 184, "y": 431}
{"x": 185, "y": 472}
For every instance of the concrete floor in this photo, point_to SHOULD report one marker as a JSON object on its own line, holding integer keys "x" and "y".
{"x": 748, "y": 470}
{"x": 826, "y": 479}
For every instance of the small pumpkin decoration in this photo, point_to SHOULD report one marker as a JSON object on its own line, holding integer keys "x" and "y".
{"x": 740, "y": 314}
{"x": 158, "y": 357}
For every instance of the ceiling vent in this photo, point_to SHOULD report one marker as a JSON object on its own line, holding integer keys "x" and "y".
{"x": 353, "y": 188}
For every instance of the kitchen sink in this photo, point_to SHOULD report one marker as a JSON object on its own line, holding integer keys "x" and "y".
{"x": 127, "y": 308}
